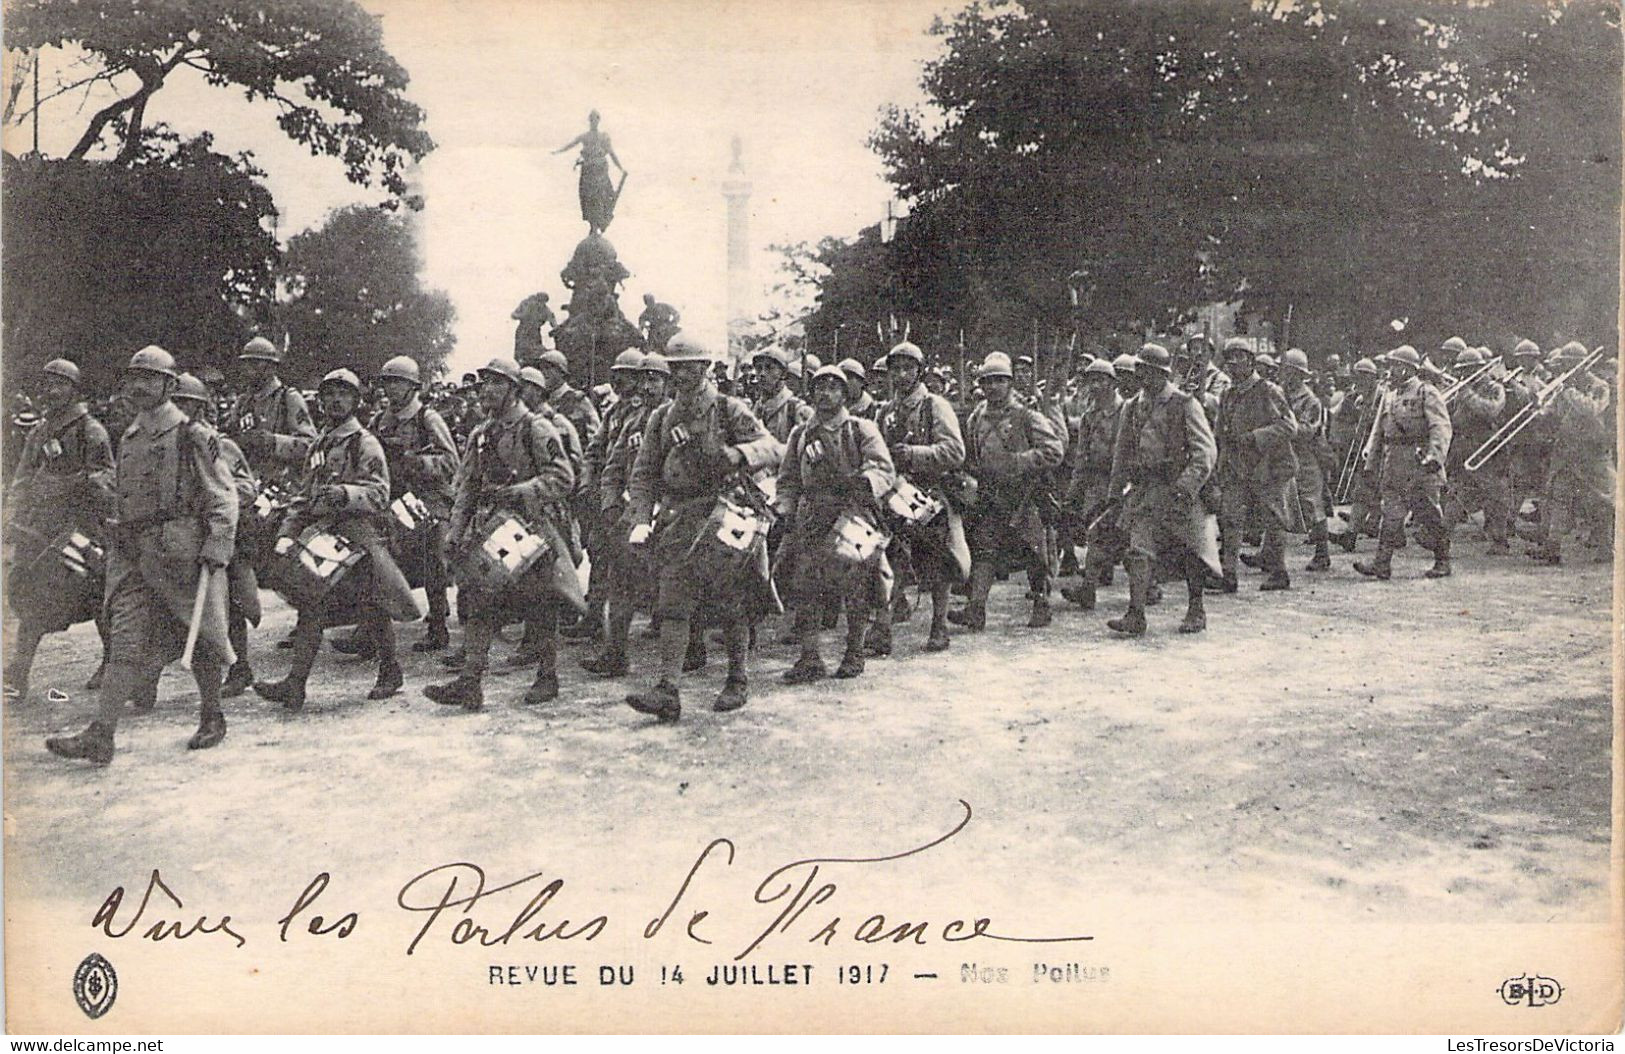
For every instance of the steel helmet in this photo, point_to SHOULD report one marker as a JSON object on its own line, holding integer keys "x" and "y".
{"x": 1296, "y": 359}
{"x": 402, "y": 368}
{"x": 153, "y": 359}
{"x": 532, "y": 375}
{"x": 1526, "y": 347}
{"x": 1455, "y": 345}
{"x": 1264, "y": 358}
{"x": 1469, "y": 357}
{"x": 62, "y": 368}
{"x": 793, "y": 364}
{"x": 685, "y": 348}
{"x": 260, "y": 348}
{"x": 829, "y": 371}
{"x": 507, "y": 369}
{"x": 341, "y": 376}
{"x": 852, "y": 368}
{"x": 1366, "y": 366}
{"x": 813, "y": 361}
{"x": 1572, "y": 351}
{"x": 1124, "y": 363}
{"x": 630, "y": 359}
{"x": 907, "y": 351}
{"x": 189, "y": 387}
{"x": 1406, "y": 354}
{"x": 654, "y": 362}
{"x": 1100, "y": 366}
{"x": 774, "y": 355}
{"x": 555, "y": 358}
{"x": 880, "y": 366}
{"x": 1154, "y": 355}
{"x": 997, "y": 364}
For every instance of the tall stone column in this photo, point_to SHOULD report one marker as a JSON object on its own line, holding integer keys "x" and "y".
{"x": 736, "y": 188}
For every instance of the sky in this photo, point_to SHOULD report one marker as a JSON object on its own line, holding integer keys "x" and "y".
{"x": 505, "y": 82}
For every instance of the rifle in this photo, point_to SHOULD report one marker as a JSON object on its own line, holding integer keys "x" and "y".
{"x": 964, "y": 389}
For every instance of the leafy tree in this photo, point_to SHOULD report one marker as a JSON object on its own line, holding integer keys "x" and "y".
{"x": 321, "y": 62}
{"x": 174, "y": 249}
{"x": 1453, "y": 164}
{"x": 351, "y": 297}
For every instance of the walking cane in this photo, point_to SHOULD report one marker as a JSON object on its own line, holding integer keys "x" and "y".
{"x": 204, "y": 578}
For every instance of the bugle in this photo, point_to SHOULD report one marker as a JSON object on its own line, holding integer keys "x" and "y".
{"x": 1512, "y": 426}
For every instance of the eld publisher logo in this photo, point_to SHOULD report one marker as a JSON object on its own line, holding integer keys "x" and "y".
{"x": 95, "y": 986}
{"x": 1525, "y": 990}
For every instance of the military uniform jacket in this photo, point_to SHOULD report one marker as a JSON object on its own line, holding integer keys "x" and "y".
{"x": 922, "y": 432}
{"x": 1255, "y": 432}
{"x": 681, "y": 456}
{"x": 1091, "y": 454}
{"x": 175, "y": 504}
{"x": 781, "y": 412}
{"x": 1007, "y": 448}
{"x": 421, "y": 454}
{"x": 516, "y": 461}
{"x": 1582, "y": 427}
{"x": 66, "y": 462}
{"x": 1309, "y": 441}
{"x": 834, "y": 463}
{"x": 281, "y": 411}
{"x": 1164, "y": 440}
{"x": 619, "y": 439}
{"x": 1478, "y": 411}
{"x": 1414, "y": 416}
{"x": 864, "y": 406}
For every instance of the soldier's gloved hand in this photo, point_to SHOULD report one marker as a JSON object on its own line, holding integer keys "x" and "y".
{"x": 640, "y": 534}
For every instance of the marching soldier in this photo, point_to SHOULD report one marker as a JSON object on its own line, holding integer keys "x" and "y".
{"x": 573, "y": 403}
{"x": 624, "y": 380}
{"x": 878, "y": 384}
{"x": 1351, "y": 426}
{"x": 1009, "y": 449}
{"x": 60, "y": 479}
{"x": 1579, "y": 486}
{"x": 346, "y": 486}
{"x": 515, "y": 463}
{"x": 1529, "y": 453}
{"x": 1413, "y": 443}
{"x": 272, "y": 426}
{"x": 533, "y": 392}
{"x": 422, "y": 461}
{"x": 1257, "y": 468}
{"x": 921, "y": 432}
{"x": 1479, "y": 409}
{"x": 175, "y": 521}
{"x": 625, "y": 570}
{"x": 1309, "y": 445}
{"x": 1163, "y": 457}
{"x": 194, "y": 399}
{"x": 835, "y": 470}
{"x": 777, "y": 407}
{"x": 1089, "y": 491}
{"x": 694, "y": 447}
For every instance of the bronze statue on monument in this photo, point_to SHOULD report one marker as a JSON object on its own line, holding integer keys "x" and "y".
{"x": 598, "y": 194}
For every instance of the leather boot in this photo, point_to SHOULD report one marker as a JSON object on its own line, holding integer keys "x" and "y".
{"x": 611, "y": 662}
{"x": 239, "y": 679}
{"x": 389, "y": 680}
{"x": 1195, "y": 620}
{"x": 1322, "y": 560}
{"x": 879, "y": 643}
{"x": 807, "y": 669}
{"x": 94, "y": 744}
{"x": 662, "y": 701}
{"x": 1041, "y": 614}
{"x": 211, "y": 730}
{"x": 695, "y": 658}
{"x": 852, "y": 661}
{"x": 733, "y": 695}
{"x": 1132, "y": 623}
{"x": 145, "y": 700}
{"x": 973, "y": 616}
{"x": 1277, "y": 580}
{"x": 435, "y": 639}
{"x": 1380, "y": 567}
{"x": 359, "y": 644}
{"x": 901, "y": 609}
{"x": 466, "y": 692}
{"x": 1082, "y": 594}
{"x": 456, "y": 660}
{"x": 1441, "y": 559}
{"x": 546, "y": 686}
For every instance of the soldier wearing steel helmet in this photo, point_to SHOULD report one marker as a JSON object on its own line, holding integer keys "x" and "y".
{"x": 1257, "y": 468}
{"x": 423, "y": 462}
{"x": 625, "y": 412}
{"x": 1089, "y": 492}
{"x": 859, "y": 403}
{"x": 195, "y": 399}
{"x": 515, "y": 463}
{"x": 1476, "y": 412}
{"x": 694, "y": 447}
{"x": 346, "y": 486}
{"x": 619, "y": 572}
{"x": 835, "y": 470}
{"x": 1413, "y": 445}
{"x": 271, "y": 422}
{"x": 1164, "y": 456}
{"x": 174, "y": 520}
{"x": 1529, "y": 453}
{"x": 776, "y": 406}
{"x": 1310, "y": 445}
{"x": 1010, "y": 450}
{"x": 1580, "y": 470}
{"x": 922, "y": 433}
{"x": 1351, "y": 426}
{"x": 62, "y": 478}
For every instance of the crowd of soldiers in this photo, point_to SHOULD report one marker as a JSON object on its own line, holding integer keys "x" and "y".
{"x": 710, "y": 502}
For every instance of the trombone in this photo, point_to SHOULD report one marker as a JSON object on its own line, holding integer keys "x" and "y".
{"x": 1352, "y": 457}
{"x": 1534, "y": 408}
{"x": 1461, "y": 385}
